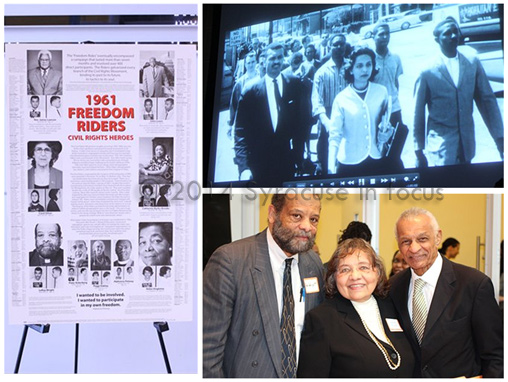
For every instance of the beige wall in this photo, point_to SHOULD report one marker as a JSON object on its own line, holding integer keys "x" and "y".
{"x": 460, "y": 216}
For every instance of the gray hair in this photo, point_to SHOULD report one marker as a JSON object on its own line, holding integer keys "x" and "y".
{"x": 413, "y": 213}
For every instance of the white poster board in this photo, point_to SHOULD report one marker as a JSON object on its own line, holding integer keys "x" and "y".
{"x": 101, "y": 170}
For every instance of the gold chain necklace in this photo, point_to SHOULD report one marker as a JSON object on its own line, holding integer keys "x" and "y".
{"x": 392, "y": 365}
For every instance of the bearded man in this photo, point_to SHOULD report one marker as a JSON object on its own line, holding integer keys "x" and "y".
{"x": 246, "y": 285}
{"x": 47, "y": 252}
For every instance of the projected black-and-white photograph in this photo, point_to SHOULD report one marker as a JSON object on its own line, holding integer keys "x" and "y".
{"x": 357, "y": 90}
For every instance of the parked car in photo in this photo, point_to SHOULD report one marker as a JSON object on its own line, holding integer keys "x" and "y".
{"x": 400, "y": 21}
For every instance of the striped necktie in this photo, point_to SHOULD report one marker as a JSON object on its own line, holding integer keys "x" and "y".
{"x": 419, "y": 309}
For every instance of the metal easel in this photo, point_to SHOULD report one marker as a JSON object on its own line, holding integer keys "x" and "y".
{"x": 161, "y": 327}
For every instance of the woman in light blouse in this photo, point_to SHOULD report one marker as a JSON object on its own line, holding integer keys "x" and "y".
{"x": 360, "y": 127}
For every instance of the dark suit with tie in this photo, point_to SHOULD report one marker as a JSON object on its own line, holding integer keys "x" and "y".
{"x": 268, "y": 153}
{"x": 38, "y": 85}
{"x": 464, "y": 329}
{"x": 449, "y": 134}
{"x": 335, "y": 343}
{"x": 241, "y": 325}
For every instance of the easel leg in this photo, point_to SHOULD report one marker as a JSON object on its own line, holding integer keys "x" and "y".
{"x": 76, "y": 347}
{"x": 41, "y": 328}
{"x": 21, "y": 347}
{"x": 162, "y": 327}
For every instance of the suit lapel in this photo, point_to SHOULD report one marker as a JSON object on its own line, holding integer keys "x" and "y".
{"x": 442, "y": 295}
{"x": 399, "y": 296}
{"x": 441, "y": 67}
{"x": 462, "y": 68}
{"x": 351, "y": 317}
{"x": 265, "y": 291}
{"x": 307, "y": 271}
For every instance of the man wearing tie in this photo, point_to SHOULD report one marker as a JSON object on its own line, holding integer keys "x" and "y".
{"x": 270, "y": 114}
{"x": 34, "y": 102}
{"x": 154, "y": 79}
{"x": 256, "y": 292}
{"x": 44, "y": 79}
{"x": 54, "y": 109}
{"x": 448, "y": 310}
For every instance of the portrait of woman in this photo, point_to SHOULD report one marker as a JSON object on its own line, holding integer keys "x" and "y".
{"x": 159, "y": 169}
{"x": 156, "y": 243}
{"x": 53, "y": 194}
{"x": 164, "y": 196}
{"x": 147, "y": 199}
{"x": 360, "y": 118}
{"x": 35, "y": 205}
{"x": 43, "y": 156}
{"x": 354, "y": 333}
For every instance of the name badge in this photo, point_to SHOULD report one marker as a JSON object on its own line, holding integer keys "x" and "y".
{"x": 393, "y": 325}
{"x": 311, "y": 285}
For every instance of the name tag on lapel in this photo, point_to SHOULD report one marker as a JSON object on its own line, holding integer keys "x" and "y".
{"x": 311, "y": 285}
{"x": 393, "y": 325}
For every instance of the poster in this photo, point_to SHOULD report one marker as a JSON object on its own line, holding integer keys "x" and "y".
{"x": 100, "y": 182}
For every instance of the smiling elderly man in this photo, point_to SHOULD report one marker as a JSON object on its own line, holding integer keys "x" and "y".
{"x": 448, "y": 310}
{"x": 256, "y": 292}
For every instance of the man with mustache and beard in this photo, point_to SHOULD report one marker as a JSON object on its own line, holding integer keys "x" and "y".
{"x": 47, "y": 252}
{"x": 244, "y": 325}
{"x": 271, "y": 112}
{"x": 329, "y": 81}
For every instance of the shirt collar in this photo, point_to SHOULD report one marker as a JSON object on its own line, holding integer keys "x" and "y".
{"x": 432, "y": 274}
{"x": 269, "y": 80}
{"x": 276, "y": 253}
{"x": 448, "y": 59}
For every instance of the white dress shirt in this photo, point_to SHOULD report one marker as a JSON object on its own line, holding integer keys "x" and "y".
{"x": 452, "y": 65}
{"x": 272, "y": 103}
{"x": 430, "y": 277}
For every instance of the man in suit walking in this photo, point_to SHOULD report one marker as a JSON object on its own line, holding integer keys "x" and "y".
{"x": 247, "y": 285}
{"x": 154, "y": 79}
{"x": 270, "y": 114}
{"x": 448, "y": 310}
{"x": 447, "y": 88}
{"x": 44, "y": 79}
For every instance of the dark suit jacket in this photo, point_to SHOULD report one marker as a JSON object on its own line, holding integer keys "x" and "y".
{"x": 53, "y": 84}
{"x": 450, "y": 124}
{"x": 335, "y": 344}
{"x": 36, "y": 261}
{"x": 464, "y": 330}
{"x": 257, "y": 147}
{"x": 241, "y": 325}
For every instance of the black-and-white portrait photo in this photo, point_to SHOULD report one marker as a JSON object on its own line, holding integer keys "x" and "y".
{"x": 148, "y": 109}
{"x": 355, "y": 90}
{"x": 147, "y": 280}
{"x": 157, "y": 74}
{"x": 148, "y": 192}
{"x": 38, "y": 277}
{"x": 36, "y": 200}
{"x": 56, "y": 279}
{"x": 54, "y": 198}
{"x": 42, "y": 155}
{"x": 101, "y": 255}
{"x": 155, "y": 243}
{"x": 77, "y": 254}
{"x": 123, "y": 251}
{"x": 55, "y": 110}
{"x": 36, "y": 106}
{"x": 44, "y": 72}
{"x": 48, "y": 240}
{"x": 166, "y": 109}
{"x": 156, "y": 161}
